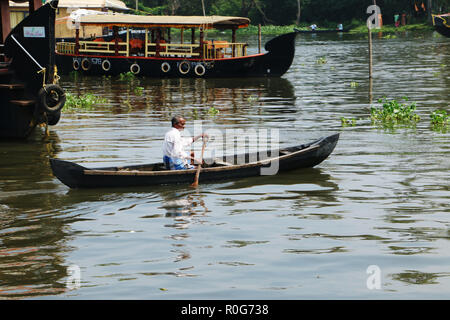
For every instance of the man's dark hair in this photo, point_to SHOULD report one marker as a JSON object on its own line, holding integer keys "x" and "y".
{"x": 176, "y": 120}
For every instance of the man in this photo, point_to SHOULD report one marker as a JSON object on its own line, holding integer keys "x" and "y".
{"x": 175, "y": 158}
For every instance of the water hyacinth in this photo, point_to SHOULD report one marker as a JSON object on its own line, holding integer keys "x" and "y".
{"x": 86, "y": 101}
{"x": 439, "y": 121}
{"x": 393, "y": 113}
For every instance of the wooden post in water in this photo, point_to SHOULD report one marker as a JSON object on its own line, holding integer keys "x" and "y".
{"x": 370, "y": 54}
{"x": 259, "y": 38}
{"x": 429, "y": 7}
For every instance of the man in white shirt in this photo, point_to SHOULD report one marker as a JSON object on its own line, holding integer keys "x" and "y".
{"x": 175, "y": 158}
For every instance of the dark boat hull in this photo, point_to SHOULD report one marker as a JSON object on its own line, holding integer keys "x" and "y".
{"x": 303, "y": 156}
{"x": 442, "y": 24}
{"x": 274, "y": 63}
{"x": 20, "y": 81}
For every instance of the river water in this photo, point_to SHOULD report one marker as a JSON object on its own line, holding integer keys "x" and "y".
{"x": 370, "y": 222}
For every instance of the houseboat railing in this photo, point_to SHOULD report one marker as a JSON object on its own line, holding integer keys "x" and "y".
{"x": 174, "y": 49}
{"x": 223, "y": 49}
{"x": 65, "y": 47}
{"x": 104, "y": 47}
{"x": 211, "y": 49}
{"x": 93, "y": 47}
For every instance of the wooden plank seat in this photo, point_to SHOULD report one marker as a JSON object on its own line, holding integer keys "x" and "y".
{"x": 179, "y": 53}
{"x": 23, "y": 103}
{"x": 222, "y": 163}
{"x": 5, "y": 71}
{"x": 11, "y": 86}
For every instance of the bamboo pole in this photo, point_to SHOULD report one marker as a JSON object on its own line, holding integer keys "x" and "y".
{"x": 370, "y": 54}
{"x": 259, "y": 38}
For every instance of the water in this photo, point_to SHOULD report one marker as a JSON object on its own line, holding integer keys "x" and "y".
{"x": 382, "y": 198}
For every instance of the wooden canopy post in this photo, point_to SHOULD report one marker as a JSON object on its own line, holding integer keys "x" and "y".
{"x": 6, "y": 19}
{"x": 77, "y": 41}
{"x": 146, "y": 43}
{"x": 116, "y": 40}
{"x": 181, "y": 36}
{"x": 201, "y": 42}
{"x": 192, "y": 35}
{"x": 33, "y": 5}
{"x": 158, "y": 41}
{"x": 259, "y": 38}
{"x": 233, "y": 41}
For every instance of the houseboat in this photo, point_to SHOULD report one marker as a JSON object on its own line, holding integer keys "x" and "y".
{"x": 29, "y": 95}
{"x": 145, "y": 45}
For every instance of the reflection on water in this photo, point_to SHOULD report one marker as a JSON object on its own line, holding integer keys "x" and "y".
{"x": 380, "y": 199}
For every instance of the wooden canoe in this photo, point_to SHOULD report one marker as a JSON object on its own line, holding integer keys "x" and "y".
{"x": 244, "y": 165}
{"x": 441, "y": 23}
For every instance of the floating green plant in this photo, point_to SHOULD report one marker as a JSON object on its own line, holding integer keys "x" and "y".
{"x": 127, "y": 76}
{"x": 394, "y": 113}
{"x": 439, "y": 121}
{"x": 348, "y": 122}
{"x": 138, "y": 91}
{"x": 252, "y": 99}
{"x": 86, "y": 101}
{"x": 321, "y": 60}
{"x": 213, "y": 111}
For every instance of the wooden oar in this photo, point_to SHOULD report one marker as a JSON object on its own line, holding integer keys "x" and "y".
{"x": 197, "y": 174}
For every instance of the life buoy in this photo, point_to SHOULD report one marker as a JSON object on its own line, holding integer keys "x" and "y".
{"x": 165, "y": 67}
{"x": 135, "y": 68}
{"x": 199, "y": 70}
{"x": 76, "y": 65}
{"x": 51, "y": 98}
{"x": 184, "y": 67}
{"x": 86, "y": 64}
{"x": 106, "y": 65}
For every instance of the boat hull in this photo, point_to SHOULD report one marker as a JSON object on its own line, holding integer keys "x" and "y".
{"x": 303, "y": 156}
{"x": 20, "y": 80}
{"x": 274, "y": 63}
{"x": 441, "y": 24}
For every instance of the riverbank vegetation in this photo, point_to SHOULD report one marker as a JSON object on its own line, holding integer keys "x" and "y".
{"x": 300, "y": 13}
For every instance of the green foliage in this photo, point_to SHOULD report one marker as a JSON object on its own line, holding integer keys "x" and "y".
{"x": 138, "y": 90}
{"x": 393, "y": 113}
{"x": 439, "y": 121}
{"x": 321, "y": 60}
{"x": 325, "y": 13}
{"x": 348, "y": 122}
{"x": 86, "y": 101}
{"x": 127, "y": 76}
{"x": 213, "y": 111}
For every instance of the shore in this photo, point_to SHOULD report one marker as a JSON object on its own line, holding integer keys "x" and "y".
{"x": 361, "y": 29}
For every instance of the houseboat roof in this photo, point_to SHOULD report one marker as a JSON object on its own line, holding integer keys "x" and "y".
{"x": 128, "y": 20}
{"x": 86, "y": 4}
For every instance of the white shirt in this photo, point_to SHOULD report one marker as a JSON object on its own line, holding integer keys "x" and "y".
{"x": 174, "y": 144}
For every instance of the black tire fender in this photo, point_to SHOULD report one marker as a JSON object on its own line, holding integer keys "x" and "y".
{"x": 51, "y": 98}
